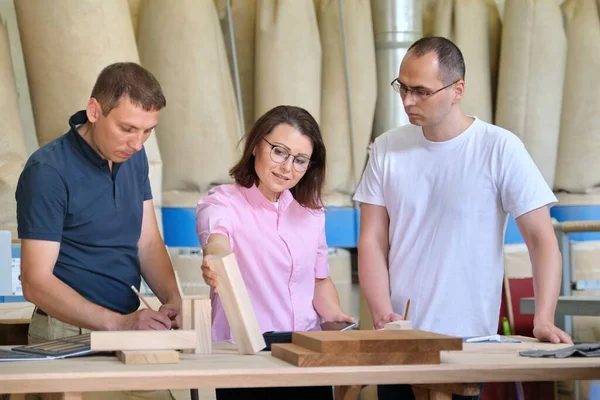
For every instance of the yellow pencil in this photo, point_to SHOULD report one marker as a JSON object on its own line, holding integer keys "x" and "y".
{"x": 406, "y": 311}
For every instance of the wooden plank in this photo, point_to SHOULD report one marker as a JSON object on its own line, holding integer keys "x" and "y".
{"x": 16, "y": 396}
{"x": 346, "y": 392}
{"x": 16, "y": 312}
{"x": 201, "y": 320}
{"x": 142, "y": 357}
{"x": 143, "y": 340}
{"x": 62, "y": 396}
{"x": 462, "y": 389}
{"x": 237, "y": 305}
{"x": 396, "y": 325}
{"x": 303, "y": 357}
{"x": 202, "y": 325}
{"x": 381, "y": 341}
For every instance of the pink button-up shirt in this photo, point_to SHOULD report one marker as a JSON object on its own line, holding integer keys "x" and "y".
{"x": 280, "y": 252}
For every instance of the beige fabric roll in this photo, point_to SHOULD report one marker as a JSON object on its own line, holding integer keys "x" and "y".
{"x": 578, "y": 165}
{"x": 243, "y": 14}
{"x": 346, "y": 155}
{"x": 474, "y": 26}
{"x": 288, "y": 56}
{"x": 12, "y": 142}
{"x": 65, "y": 47}
{"x": 181, "y": 43}
{"x": 134, "y": 9}
{"x": 530, "y": 86}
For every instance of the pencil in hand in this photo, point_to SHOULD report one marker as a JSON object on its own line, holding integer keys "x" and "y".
{"x": 406, "y": 311}
{"x": 141, "y": 297}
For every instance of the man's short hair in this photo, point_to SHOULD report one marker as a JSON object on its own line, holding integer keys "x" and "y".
{"x": 128, "y": 79}
{"x": 450, "y": 58}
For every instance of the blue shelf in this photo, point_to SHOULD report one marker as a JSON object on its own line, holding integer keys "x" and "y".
{"x": 578, "y": 213}
{"x": 341, "y": 227}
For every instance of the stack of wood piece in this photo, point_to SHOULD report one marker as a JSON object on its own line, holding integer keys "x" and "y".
{"x": 383, "y": 347}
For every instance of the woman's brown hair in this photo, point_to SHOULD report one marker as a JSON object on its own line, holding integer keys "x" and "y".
{"x": 307, "y": 191}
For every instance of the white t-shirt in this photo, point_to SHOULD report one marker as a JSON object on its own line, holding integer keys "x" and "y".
{"x": 448, "y": 204}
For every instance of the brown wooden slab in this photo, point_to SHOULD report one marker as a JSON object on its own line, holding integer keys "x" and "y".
{"x": 382, "y": 341}
{"x": 303, "y": 357}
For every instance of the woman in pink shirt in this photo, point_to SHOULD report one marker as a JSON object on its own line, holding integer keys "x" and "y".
{"x": 272, "y": 219}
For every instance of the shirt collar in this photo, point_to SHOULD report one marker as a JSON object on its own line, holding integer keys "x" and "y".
{"x": 79, "y": 143}
{"x": 257, "y": 199}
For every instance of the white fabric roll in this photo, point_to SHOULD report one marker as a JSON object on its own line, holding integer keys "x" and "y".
{"x": 530, "y": 86}
{"x": 346, "y": 155}
{"x": 578, "y": 165}
{"x": 181, "y": 43}
{"x": 12, "y": 142}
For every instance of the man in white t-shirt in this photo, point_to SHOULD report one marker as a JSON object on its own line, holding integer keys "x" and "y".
{"x": 435, "y": 197}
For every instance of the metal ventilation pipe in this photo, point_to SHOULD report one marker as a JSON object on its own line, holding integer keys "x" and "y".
{"x": 396, "y": 25}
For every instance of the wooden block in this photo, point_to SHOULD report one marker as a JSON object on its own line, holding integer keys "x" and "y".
{"x": 396, "y": 325}
{"x": 142, "y": 357}
{"x": 62, "y": 396}
{"x": 143, "y": 340}
{"x": 237, "y": 306}
{"x": 346, "y": 392}
{"x": 462, "y": 389}
{"x": 195, "y": 314}
{"x": 380, "y": 341}
{"x": 303, "y": 357}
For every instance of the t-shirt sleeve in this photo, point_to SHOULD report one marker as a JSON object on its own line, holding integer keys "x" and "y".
{"x": 147, "y": 187}
{"x": 522, "y": 185}
{"x": 213, "y": 216}
{"x": 370, "y": 188}
{"x": 322, "y": 263}
{"x": 41, "y": 197}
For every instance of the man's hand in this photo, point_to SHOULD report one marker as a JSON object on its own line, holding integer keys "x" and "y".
{"x": 145, "y": 319}
{"x": 548, "y": 332}
{"x": 387, "y": 318}
{"x": 172, "y": 311}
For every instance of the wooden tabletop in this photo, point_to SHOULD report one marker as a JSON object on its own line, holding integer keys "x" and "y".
{"x": 482, "y": 362}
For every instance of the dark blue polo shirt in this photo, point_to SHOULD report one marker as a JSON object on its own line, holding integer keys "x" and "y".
{"x": 66, "y": 193}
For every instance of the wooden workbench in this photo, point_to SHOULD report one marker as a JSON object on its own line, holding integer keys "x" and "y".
{"x": 484, "y": 362}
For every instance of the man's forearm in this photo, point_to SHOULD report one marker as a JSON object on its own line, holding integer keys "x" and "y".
{"x": 157, "y": 271}
{"x": 65, "y": 304}
{"x": 547, "y": 273}
{"x": 374, "y": 278}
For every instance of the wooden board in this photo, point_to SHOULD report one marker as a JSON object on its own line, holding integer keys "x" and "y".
{"x": 400, "y": 324}
{"x": 143, "y": 340}
{"x": 142, "y": 357}
{"x": 303, "y": 357}
{"x": 237, "y": 305}
{"x": 195, "y": 315}
{"x": 381, "y": 341}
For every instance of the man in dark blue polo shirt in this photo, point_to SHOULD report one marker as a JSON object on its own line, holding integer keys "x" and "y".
{"x": 86, "y": 218}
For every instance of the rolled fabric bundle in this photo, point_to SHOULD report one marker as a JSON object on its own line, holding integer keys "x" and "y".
{"x": 12, "y": 141}
{"x": 346, "y": 147}
{"x": 181, "y": 43}
{"x": 578, "y": 165}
